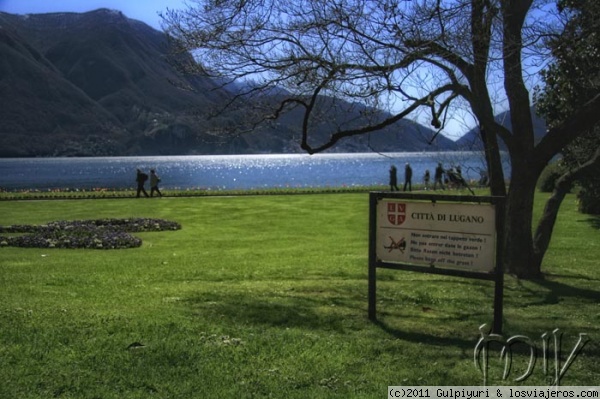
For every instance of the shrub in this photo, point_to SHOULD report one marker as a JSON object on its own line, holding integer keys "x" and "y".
{"x": 589, "y": 197}
{"x": 551, "y": 173}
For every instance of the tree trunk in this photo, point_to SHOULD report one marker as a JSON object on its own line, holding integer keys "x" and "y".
{"x": 543, "y": 233}
{"x": 518, "y": 240}
{"x": 494, "y": 162}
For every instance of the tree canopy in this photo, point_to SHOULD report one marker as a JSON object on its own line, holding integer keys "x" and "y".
{"x": 571, "y": 80}
{"x": 408, "y": 57}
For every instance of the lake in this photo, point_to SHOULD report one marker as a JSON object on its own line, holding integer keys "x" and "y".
{"x": 230, "y": 172}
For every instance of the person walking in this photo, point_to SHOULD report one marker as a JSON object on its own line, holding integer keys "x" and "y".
{"x": 141, "y": 178}
{"x": 426, "y": 179}
{"x": 393, "y": 178}
{"x": 438, "y": 176}
{"x": 154, "y": 180}
{"x": 408, "y": 177}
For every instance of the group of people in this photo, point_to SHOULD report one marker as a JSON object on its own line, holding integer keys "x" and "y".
{"x": 407, "y": 178}
{"x": 453, "y": 177}
{"x": 141, "y": 179}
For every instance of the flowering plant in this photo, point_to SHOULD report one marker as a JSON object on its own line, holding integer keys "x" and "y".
{"x": 94, "y": 234}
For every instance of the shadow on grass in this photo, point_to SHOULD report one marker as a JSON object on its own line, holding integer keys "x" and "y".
{"x": 593, "y": 220}
{"x": 425, "y": 338}
{"x": 569, "y": 276}
{"x": 344, "y": 315}
{"x": 558, "y": 290}
{"x": 277, "y": 311}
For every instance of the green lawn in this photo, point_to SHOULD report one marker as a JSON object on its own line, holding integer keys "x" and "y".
{"x": 266, "y": 296}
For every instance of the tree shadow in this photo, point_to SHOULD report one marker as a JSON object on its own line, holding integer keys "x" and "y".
{"x": 558, "y": 289}
{"x": 240, "y": 309}
{"x": 339, "y": 314}
{"x": 570, "y": 276}
{"x": 593, "y": 220}
{"x": 425, "y": 338}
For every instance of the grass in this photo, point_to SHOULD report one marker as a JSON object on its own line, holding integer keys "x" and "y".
{"x": 266, "y": 296}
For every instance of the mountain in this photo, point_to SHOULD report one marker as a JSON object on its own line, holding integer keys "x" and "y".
{"x": 98, "y": 78}
{"x": 472, "y": 141}
{"x": 99, "y": 83}
{"x": 39, "y": 103}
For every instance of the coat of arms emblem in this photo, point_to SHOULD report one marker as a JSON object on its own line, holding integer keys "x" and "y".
{"x": 396, "y": 213}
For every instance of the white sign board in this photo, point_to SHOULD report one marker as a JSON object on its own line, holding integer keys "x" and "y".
{"x": 445, "y": 235}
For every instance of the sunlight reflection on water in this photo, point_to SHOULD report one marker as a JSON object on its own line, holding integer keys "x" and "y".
{"x": 228, "y": 171}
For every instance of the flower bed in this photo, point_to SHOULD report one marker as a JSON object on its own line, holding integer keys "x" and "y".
{"x": 94, "y": 234}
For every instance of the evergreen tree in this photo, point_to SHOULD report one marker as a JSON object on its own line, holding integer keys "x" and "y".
{"x": 571, "y": 80}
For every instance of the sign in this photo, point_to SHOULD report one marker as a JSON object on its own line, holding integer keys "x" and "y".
{"x": 450, "y": 235}
{"x": 432, "y": 234}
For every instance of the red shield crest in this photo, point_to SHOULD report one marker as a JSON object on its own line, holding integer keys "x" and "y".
{"x": 396, "y": 213}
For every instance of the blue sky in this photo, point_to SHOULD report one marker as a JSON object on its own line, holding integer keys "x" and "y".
{"x": 143, "y": 10}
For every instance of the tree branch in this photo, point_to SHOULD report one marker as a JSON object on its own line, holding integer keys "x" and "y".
{"x": 543, "y": 232}
{"x": 562, "y": 134}
{"x": 340, "y": 134}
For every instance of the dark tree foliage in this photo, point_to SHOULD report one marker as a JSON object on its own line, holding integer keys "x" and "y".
{"x": 571, "y": 80}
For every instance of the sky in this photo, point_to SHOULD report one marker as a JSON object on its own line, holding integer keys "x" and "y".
{"x": 144, "y": 10}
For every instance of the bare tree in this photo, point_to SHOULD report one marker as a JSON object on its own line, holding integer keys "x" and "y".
{"x": 400, "y": 56}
